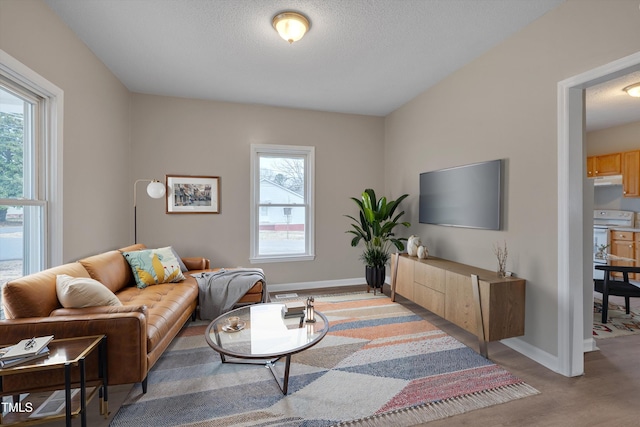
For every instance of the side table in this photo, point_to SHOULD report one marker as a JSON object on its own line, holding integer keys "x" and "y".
{"x": 64, "y": 354}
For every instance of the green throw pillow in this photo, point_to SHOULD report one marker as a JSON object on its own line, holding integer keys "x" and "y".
{"x": 153, "y": 266}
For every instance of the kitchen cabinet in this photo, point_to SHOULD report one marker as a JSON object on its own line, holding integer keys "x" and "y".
{"x": 591, "y": 166}
{"x": 608, "y": 164}
{"x": 623, "y": 244}
{"x": 631, "y": 174}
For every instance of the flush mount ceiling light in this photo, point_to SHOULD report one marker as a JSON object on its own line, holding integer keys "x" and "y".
{"x": 291, "y": 26}
{"x": 633, "y": 90}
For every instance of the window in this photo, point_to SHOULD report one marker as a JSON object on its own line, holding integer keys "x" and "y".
{"x": 282, "y": 203}
{"x": 30, "y": 187}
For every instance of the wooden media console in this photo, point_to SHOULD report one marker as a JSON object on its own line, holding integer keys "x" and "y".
{"x": 475, "y": 299}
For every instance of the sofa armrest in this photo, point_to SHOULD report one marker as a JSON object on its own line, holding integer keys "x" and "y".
{"x": 106, "y": 309}
{"x": 196, "y": 263}
{"x": 126, "y": 342}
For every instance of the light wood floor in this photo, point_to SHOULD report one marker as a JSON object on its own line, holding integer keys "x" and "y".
{"x": 608, "y": 394}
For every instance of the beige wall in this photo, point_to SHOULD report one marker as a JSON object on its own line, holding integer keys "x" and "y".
{"x": 178, "y": 136}
{"x": 504, "y": 105}
{"x": 96, "y": 126}
{"x": 614, "y": 139}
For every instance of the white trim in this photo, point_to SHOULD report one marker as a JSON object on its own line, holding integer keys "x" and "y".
{"x": 281, "y": 258}
{"x": 309, "y": 197}
{"x": 54, "y": 129}
{"x": 320, "y": 284}
{"x": 534, "y": 353}
{"x": 571, "y": 169}
{"x": 590, "y": 345}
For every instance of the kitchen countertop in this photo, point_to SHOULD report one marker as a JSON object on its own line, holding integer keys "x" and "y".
{"x": 611, "y": 257}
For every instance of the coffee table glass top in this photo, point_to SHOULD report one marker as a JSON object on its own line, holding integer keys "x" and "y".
{"x": 264, "y": 333}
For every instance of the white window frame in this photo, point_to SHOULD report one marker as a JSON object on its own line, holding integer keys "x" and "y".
{"x": 308, "y": 153}
{"x": 50, "y": 165}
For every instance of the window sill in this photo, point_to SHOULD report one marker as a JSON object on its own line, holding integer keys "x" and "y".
{"x": 281, "y": 258}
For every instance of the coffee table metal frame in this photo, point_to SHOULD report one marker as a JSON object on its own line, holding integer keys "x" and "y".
{"x": 266, "y": 359}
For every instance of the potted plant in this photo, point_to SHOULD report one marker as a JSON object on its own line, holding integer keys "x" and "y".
{"x": 375, "y": 227}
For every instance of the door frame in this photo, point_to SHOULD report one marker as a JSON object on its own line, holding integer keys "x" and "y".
{"x": 572, "y": 253}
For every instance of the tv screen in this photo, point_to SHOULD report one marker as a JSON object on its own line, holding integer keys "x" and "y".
{"x": 464, "y": 196}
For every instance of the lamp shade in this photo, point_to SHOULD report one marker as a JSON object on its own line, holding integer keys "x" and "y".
{"x": 633, "y": 90}
{"x": 155, "y": 189}
{"x": 291, "y": 26}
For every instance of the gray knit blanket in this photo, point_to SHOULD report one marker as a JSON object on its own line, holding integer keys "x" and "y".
{"x": 220, "y": 290}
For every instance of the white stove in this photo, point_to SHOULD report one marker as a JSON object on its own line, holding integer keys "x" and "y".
{"x": 603, "y": 221}
{"x": 612, "y": 218}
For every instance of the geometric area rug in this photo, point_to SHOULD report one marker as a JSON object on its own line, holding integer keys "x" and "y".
{"x": 379, "y": 365}
{"x": 619, "y": 323}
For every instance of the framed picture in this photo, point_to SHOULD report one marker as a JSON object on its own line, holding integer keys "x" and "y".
{"x": 193, "y": 194}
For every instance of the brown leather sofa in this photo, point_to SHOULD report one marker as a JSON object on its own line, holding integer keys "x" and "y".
{"x": 137, "y": 332}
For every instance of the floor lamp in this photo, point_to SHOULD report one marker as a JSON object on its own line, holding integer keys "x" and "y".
{"x": 155, "y": 190}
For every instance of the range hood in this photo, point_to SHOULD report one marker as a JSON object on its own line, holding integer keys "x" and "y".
{"x": 607, "y": 180}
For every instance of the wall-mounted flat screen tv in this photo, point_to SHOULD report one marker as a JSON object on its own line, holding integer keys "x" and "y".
{"x": 464, "y": 196}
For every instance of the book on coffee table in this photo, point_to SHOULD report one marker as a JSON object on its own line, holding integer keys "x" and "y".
{"x": 26, "y": 348}
{"x": 293, "y": 309}
{"x": 7, "y": 363}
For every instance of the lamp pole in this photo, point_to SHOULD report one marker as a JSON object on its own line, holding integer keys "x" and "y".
{"x": 155, "y": 190}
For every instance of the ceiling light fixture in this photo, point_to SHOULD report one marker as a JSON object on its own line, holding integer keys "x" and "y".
{"x": 633, "y": 90}
{"x": 291, "y": 26}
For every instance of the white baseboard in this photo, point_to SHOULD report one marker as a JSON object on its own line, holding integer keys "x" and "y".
{"x": 590, "y": 345}
{"x": 320, "y": 284}
{"x": 534, "y": 353}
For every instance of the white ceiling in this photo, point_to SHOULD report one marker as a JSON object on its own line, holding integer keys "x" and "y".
{"x": 608, "y": 105}
{"x": 360, "y": 56}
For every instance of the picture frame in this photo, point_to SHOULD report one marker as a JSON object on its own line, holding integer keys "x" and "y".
{"x": 193, "y": 194}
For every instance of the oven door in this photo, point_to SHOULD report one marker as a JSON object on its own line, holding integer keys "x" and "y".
{"x": 600, "y": 237}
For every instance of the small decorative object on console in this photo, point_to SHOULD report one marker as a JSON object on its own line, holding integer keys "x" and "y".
{"x": 501, "y": 254}
{"x": 311, "y": 314}
{"x": 423, "y": 252}
{"x": 413, "y": 243}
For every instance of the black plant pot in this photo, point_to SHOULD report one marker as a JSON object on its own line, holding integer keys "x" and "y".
{"x": 375, "y": 276}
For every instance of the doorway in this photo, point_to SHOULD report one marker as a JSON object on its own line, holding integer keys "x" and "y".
{"x": 574, "y": 257}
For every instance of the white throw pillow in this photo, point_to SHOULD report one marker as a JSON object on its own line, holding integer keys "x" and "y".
{"x": 79, "y": 292}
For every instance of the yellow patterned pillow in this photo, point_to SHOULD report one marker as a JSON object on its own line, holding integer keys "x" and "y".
{"x": 153, "y": 266}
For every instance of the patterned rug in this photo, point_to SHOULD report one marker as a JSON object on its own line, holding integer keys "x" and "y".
{"x": 379, "y": 364}
{"x": 619, "y": 323}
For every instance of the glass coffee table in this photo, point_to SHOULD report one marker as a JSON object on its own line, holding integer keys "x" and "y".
{"x": 264, "y": 336}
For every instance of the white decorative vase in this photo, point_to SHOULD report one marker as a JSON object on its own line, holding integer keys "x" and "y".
{"x": 412, "y": 245}
{"x": 423, "y": 253}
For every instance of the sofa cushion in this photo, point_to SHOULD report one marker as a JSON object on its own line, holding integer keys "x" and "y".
{"x": 80, "y": 292}
{"x": 110, "y": 269}
{"x": 35, "y": 295}
{"x": 183, "y": 268}
{"x": 140, "y": 246}
{"x": 165, "y": 303}
{"x": 154, "y": 266}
